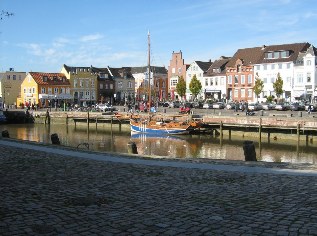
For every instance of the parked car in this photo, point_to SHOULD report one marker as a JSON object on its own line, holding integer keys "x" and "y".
{"x": 230, "y": 105}
{"x": 103, "y": 107}
{"x": 175, "y": 104}
{"x": 189, "y": 104}
{"x": 313, "y": 107}
{"x": 207, "y": 106}
{"x": 281, "y": 107}
{"x": 296, "y": 106}
{"x": 254, "y": 106}
{"x": 267, "y": 106}
{"x": 218, "y": 105}
{"x": 198, "y": 104}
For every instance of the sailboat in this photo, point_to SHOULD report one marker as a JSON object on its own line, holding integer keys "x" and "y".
{"x": 160, "y": 126}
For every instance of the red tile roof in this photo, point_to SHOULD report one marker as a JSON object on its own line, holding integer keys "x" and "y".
{"x": 51, "y": 78}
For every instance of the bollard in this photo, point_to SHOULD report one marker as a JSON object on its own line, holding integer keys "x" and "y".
{"x": 249, "y": 151}
{"x": 132, "y": 148}
{"x": 5, "y": 134}
{"x": 55, "y": 139}
{"x": 262, "y": 113}
{"x": 164, "y": 110}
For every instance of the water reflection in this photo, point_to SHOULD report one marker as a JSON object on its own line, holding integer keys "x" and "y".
{"x": 105, "y": 139}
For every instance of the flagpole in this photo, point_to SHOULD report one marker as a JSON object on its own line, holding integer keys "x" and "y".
{"x": 149, "y": 67}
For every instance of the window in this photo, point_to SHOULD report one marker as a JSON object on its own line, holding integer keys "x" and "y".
{"x": 211, "y": 82}
{"x": 101, "y": 85}
{"x": 308, "y": 63}
{"x": 243, "y": 92}
{"x": 288, "y": 65}
{"x": 179, "y": 70}
{"x": 130, "y": 84}
{"x": 8, "y": 77}
{"x": 43, "y": 90}
{"x": 230, "y": 79}
{"x": 206, "y": 82}
{"x": 111, "y": 86}
{"x": 120, "y": 85}
{"x": 249, "y": 79}
{"x": 33, "y": 90}
{"x": 81, "y": 83}
{"x": 242, "y": 79}
{"x": 45, "y": 78}
{"x": 272, "y": 79}
{"x": 273, "y": 66}
{"x": 216, "y": 81}
{"x": 258, "y": 67}
{"x": 299, "y": 78}
{"x": 270, "y": 55}
{"x": 276, "y": 54}
{"x": 249, "y": 93}
{"x": 264, "y": 67}
{"x": 280, "y": 66}
{"x": 163, "y": 84}
{"x": 49, "y": 90}
{"x": 55, "y": 90}
{"x": 308, "y": 77}
{"x": 236, "y": 93}
{"x": 236, "y": 79}
{"x": 221, "y": 81}
{"x": 14, "y": 77}
{"x": 284, "y": 54}
{"x": 239, "y": 68}
{"x": 75, "y": 83}
{"x": 92, "y": 83}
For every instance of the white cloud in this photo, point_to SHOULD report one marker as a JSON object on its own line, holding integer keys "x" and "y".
{"x": 91, "y": 37}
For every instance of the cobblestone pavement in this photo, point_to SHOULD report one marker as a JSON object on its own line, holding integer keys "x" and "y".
{"x": 51, "y": 194}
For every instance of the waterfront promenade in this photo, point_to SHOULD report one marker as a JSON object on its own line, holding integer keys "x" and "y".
{"x": 49, "y": 190}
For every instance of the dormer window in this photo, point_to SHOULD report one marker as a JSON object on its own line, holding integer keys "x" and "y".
{"x": 45, "y": 78}
{"x": 55, "y": 78}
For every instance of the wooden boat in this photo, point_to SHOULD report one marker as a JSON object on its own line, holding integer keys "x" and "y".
{"x": 162, "y": 127}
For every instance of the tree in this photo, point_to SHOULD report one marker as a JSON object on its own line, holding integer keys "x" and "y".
{"x": 278, "y": 85}
{"x": 5, "y": 14}
{"x": 195, "y": 86}
{"x": 181, "y": 87}
{"x": 258, "y": 86}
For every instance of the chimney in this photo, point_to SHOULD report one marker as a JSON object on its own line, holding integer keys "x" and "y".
{"x": 263, "y": 47}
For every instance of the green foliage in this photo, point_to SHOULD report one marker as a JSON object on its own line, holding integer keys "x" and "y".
{"x": 258, "y": 86}
{"x": 181, "y": 87}
{"x": 269, "y": 99}
{"x": 195, "y": 86}
{"x": 278, "y": 86}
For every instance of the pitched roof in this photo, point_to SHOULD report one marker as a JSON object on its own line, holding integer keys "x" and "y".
{"x": 294, "y": 50}
{"x": 248, "y": 56}
{"x": 51, "y": 78}
{"x": 219, "y": 64}
{"x": 143, "y": 69}
{"x": 204, "y": 65}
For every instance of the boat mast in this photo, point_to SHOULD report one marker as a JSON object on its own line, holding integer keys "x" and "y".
{"x": 149, "y": 67}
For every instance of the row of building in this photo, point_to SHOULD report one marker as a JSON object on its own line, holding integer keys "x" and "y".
{"x": 228, "y": 78}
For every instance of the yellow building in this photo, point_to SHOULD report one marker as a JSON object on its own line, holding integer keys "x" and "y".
{"x": 10, "y": 84}
{"x": 45, "y": 90}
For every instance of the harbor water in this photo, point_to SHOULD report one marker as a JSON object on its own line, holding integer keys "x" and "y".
{"x": 115, "y": 139}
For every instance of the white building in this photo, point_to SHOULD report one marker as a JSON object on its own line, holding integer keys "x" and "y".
{"x": 215, "y": 80}
{"x": 296, "y": 64}
{"x": 197, "y": 68}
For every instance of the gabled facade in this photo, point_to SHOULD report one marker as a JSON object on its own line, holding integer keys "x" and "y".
{"x": 124, "y": 91}
{"x": 159, "y": 83}
{"x": 83, "y": 84}
{"x": 45, "y": 90}
{"x": 240, "y": 74}
{"x": 215, "y": 79}
{"x": 296, "y": 66}
{"x": 176, "y": 69}
{"x": 10, "y": 84}
{"x": 105, "y": 85}
{"x": 197, "y": 68}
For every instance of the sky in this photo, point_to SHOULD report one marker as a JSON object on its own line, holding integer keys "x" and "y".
{"x": 42, "y": 35}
